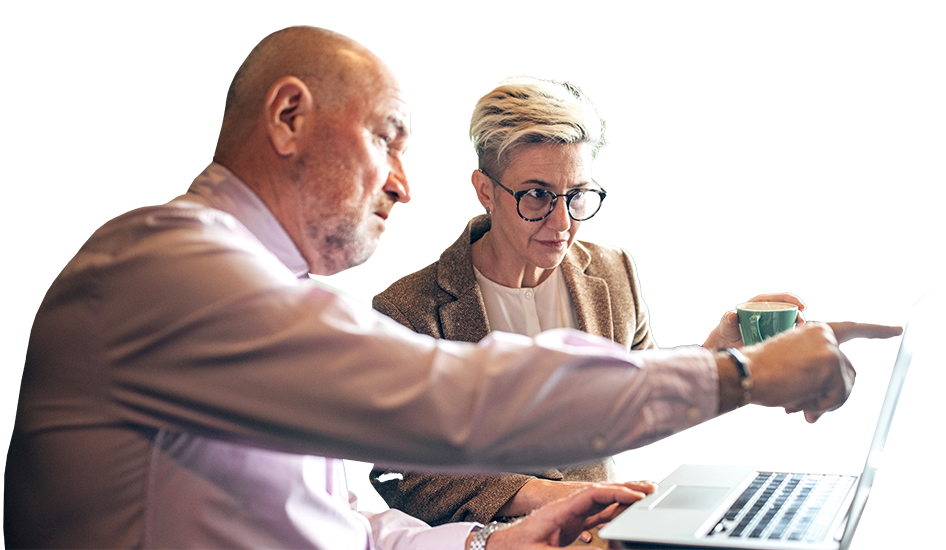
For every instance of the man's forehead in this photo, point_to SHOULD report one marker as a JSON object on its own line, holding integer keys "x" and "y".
{"x": 400, "y": 115}
{"x": 389, "y": 105}
{"x": 384, "y": 90}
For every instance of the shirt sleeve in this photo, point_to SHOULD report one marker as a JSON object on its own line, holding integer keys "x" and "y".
{"x": 395, "y": 530}
{"x": 180, "y": 321}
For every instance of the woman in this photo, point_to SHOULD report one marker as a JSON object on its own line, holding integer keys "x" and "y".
{"x": 519, "y": 268}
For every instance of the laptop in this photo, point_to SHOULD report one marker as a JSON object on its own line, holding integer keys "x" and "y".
{"x": 739, "y": 507}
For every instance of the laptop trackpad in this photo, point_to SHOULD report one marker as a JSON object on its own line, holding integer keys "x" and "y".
{"x": 691, "y": 497}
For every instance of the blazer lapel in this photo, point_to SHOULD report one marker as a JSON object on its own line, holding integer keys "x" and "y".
{"x": 465, "y": 318}
{"x": 457, "y": 321}
{"x": 590, "y": 294}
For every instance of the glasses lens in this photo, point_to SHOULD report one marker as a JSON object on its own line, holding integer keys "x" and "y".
{"x": 535, "y": 204}
{"x": 583, "y": 204}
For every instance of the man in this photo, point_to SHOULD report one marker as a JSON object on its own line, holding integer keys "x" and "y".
{"x": 185, "y": 383}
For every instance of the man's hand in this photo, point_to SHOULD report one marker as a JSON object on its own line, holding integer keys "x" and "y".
{"x": 539, "y": 492}
{"x": 560, "y": 522}
{"x": 536, "y": 493}
{"x": 727, "y": 335}
{"x": 804, "y": 370}
{"x": 848, "y": 331}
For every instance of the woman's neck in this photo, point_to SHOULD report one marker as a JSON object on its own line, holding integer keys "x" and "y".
{"x": 492, "y": 266}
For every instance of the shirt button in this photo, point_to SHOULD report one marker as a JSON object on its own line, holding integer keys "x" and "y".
{"x": 694, "y": 414}
{"x": 529, "y": 294}
{"x": 598, "y": 443}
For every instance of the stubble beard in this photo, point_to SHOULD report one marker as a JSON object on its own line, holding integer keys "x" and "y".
{"x": 342, "y": 244}
{"x": 346, "y": 241}
{"x": 340, "y": 240}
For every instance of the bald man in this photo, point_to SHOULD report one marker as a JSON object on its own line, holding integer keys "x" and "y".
{"x": 187, "y": 385}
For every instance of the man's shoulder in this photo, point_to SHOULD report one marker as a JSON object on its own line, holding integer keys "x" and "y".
{"x": 175, "y": 214}
{"x": 156, "y": 228}
{"x": 164, "y": 241}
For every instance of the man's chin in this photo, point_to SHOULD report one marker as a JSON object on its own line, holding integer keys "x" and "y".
{"x": 357, "y": 262}
{"x": 361, "y": 255}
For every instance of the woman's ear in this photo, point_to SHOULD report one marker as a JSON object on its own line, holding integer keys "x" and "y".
{"x": 484, "y": 189}
{"x": 289, "y": 107}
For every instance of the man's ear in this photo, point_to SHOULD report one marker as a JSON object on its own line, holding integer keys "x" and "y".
{"x": 289, "y": 105}
{"x": 484, "y": 189}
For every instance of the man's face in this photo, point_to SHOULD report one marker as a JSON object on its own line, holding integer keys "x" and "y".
{"x": 350, "y": 174}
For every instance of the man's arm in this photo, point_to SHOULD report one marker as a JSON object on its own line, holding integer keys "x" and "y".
{"x": 438, "y": 498}
{"x": 207, "y": 333}
{"x": 802, "y": 370}
{"x": 395, "y": 530}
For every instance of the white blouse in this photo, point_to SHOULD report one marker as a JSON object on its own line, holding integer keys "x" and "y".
{"x": 528, "y": 311}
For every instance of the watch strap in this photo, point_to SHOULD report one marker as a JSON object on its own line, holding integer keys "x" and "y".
{"x": 479, "y": 538}
{"x": 745, "y": 375}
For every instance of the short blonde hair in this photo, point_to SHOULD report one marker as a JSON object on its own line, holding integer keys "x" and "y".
{"x": 525, "y": 110}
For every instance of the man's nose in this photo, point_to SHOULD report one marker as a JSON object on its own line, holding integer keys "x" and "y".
{"x": 397, "y": 182}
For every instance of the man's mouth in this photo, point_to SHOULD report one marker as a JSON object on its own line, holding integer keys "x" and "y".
{"x": 382, "y": 207}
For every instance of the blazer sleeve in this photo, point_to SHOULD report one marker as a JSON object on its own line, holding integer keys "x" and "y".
{"x": 387, "y": 307}
{"x": 643, "y": 336}
{"x": 437, "y": 499}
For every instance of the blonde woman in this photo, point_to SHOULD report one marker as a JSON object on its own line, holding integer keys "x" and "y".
{"x": 519, "y": 268}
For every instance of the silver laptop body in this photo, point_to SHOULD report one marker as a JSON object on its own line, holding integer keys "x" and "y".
{"x": 739, "y": 507}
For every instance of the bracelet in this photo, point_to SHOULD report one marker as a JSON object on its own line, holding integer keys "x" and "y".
{"x": 742, "y": 367}
{"x": 479, "y": 539}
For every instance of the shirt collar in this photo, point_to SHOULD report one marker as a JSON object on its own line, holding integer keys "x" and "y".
{"x": 219, "y": 188}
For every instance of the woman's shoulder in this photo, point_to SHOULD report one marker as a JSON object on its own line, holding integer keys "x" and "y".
{"x": 601, "y": 252}
{"x": 409, "y": 287}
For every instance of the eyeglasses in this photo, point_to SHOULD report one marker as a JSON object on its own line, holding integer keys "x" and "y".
{"x": 536, "y": 204}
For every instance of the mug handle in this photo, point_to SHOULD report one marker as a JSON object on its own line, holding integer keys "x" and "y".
{"x": 754, "y": 324}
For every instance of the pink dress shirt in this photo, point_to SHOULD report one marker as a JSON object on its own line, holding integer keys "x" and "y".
{"x": 185, "y": 383}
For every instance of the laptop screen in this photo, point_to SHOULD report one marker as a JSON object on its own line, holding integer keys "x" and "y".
{"x": 897, "y": 377}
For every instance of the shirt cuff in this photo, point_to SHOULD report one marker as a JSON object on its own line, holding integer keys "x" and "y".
{"x": 395, "y": 530}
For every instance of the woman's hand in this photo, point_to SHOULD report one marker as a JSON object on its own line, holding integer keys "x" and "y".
{"x": 727, "y": 335}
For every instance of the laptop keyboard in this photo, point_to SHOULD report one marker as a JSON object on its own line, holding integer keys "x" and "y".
{"x": 781, "y": 506}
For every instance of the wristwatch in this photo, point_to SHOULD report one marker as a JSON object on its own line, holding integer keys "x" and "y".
{"x": 479, "y": 539}
{"x": 745, "y": 377}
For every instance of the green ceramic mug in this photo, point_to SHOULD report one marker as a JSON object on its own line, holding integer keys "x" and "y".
{"x": 761, "y": 320}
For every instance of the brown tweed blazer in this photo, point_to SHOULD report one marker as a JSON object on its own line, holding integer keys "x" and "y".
{"x": 443, "y": 300}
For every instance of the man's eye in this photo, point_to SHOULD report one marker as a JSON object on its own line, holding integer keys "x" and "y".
{"x": 537, "y": 193}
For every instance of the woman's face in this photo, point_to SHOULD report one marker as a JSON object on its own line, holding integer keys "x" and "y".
{"x": 534, "y": 246}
